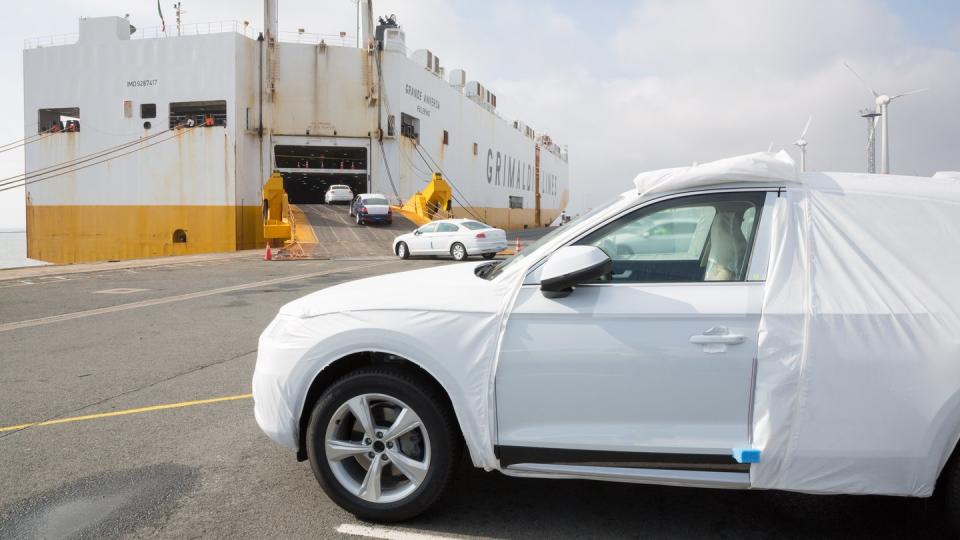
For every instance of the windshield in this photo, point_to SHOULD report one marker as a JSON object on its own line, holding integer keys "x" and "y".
{"x": 493, "y": 270}
{"x": 375, "y": 200}
{"x": 475, "y": 225}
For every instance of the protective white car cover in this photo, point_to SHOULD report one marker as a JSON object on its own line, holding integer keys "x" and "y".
{"x": 761, "y": 168}
{"x": 858, "y": 377}
{"x": 858, "y": 381}
{"x": 444, "y": 319}
{"x": 954, "y": 175}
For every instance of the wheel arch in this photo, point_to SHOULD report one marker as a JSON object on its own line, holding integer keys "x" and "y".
{"x": 357, "y": 360}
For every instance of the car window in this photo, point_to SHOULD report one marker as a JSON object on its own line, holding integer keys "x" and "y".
{"x": 428, "y": 228}
{"x": 447, "y": 227}
{"x": 494, "y": 270}
{"x": 690, "y": 239}
{"x": 375, "y": 200}
{"x": 475, "y": 225}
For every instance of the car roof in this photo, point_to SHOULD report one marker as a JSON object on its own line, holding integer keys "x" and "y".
{"x": 772, "y": 170}
{"x": 365, "y": 195}
{"x": 457, "y": 220}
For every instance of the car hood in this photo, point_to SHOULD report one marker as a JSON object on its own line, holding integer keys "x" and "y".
{"x": 448, "y": 288}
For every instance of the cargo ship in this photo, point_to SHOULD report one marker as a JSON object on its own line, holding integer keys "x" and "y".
{"x": 159, "y": 142}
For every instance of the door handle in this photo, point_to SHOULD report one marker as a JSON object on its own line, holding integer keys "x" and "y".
{"x": 729, "y": 339}
{"x": 717, "y": 335}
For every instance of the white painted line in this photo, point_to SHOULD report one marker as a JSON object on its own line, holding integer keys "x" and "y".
{"x": 119, "y": 291}
{"x": 386, "y": 534}
{"x": 178, "y": 298}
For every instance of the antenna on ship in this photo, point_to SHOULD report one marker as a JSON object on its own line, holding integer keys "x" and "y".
{"x": 883, "y": 100}
{"x": 178, "y": 11}
{"x": 801, "y": 143}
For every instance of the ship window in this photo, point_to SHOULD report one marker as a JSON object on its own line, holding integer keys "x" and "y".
{"x": 198, "y": 113}
{"x": 148, "y": 110}
{"x": 476, "y": 149}
{"x": 516, "y": 202}
{"x": 391, "y": 126}
{"x": 57, "y": 120}
{"x": 409, "y": 126}
{"x": 179, "y": 236}
{"x": 446, "y": 137}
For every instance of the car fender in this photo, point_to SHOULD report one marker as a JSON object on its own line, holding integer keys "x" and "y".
{"x": 464, "y": 390}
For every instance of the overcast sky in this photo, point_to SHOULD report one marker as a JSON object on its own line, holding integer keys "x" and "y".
{"x": 628, "y": 85}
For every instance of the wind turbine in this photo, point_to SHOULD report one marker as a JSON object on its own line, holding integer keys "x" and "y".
{"x": 801, "y": 143}
{"x": 883, "y": 100}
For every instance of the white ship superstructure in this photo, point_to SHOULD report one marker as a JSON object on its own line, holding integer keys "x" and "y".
{"x": 162, "y": 144}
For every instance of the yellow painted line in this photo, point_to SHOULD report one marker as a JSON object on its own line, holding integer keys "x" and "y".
{"x": 126, "y": 412}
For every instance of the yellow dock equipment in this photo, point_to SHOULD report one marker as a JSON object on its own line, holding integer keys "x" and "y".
{"x": 276, "y": 210}
{"x": 433, "y": 202}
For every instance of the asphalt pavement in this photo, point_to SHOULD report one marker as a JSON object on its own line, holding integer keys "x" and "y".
{"x": 125, "y": 413}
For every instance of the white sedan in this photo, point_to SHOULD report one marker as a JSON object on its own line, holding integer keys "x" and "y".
{"x": 338, "y": 193}
{"x": 802, "y": 336}
{"x": 459, "y": 238}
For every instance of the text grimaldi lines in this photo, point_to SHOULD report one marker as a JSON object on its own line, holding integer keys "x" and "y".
{"x": 510, "y": 172}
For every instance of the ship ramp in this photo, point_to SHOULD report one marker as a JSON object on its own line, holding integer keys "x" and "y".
{"x": 325, "y": 231}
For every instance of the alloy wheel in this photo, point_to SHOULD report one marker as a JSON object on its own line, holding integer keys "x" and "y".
{"x": 377, "y": 448}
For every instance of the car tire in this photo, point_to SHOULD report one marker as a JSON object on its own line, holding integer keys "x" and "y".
{"x": 435, "y": 445}
{"x": 359, "y": 220}
{"x": 489, "y": 256}
{"x": 403, "y": 251}
{"x": 458, "y": 252}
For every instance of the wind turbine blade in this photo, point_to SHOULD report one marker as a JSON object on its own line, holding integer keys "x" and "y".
{"x": 909, "y": 93}
{"x": 806, "y": 127}
{"x": 865, "y": 85}
{"x": 770, "y": 148}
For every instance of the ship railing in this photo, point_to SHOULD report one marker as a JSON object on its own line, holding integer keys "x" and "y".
{"x": 243, "y": 28}
{"x": 343, "y": 39}
{"x": 50, "y": 41}
{"x": 197, "y": 29}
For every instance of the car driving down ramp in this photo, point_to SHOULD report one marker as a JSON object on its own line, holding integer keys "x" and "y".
{"x": 327, "y": 231}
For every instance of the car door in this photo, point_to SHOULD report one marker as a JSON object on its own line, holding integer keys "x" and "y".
{"x": 652, "y": 367}
{"x": 420, "y": 243}
{"x": 445, "y": 236}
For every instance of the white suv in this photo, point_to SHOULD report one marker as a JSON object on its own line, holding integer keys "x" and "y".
{"x": 733, "y": 325}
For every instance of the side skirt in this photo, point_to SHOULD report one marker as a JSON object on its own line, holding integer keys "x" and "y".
{"x": 513, "y": 455}
{"x": 668, "y": 477}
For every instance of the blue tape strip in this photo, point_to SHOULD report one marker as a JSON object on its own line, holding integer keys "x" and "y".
{"x": 746, "y": 455}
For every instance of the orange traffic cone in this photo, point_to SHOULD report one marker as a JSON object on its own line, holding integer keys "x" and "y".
{"x": 268, "y": 256}
{"x": 517, "y": 249}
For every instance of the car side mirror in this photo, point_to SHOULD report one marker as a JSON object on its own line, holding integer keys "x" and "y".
{"x": 416, "y": 232}
{"x": 570, "y": 266}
